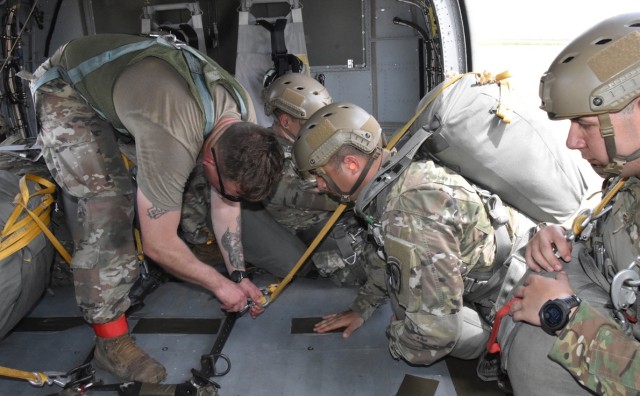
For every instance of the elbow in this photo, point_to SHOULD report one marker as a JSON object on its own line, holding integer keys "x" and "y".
{"x": 153, "y": 251}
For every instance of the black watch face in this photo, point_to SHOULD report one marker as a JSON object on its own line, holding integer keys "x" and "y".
{"x": 553, "y": 315}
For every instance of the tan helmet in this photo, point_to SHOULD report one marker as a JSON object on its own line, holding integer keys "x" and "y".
{"x": 296, "y": 94}
{"x": 597, "y": 73}
{"x": 329, "y": 129}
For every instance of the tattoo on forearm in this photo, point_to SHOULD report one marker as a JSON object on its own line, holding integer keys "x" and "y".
{"x": 155, "y": 213}
{"x": 233, "y": 246}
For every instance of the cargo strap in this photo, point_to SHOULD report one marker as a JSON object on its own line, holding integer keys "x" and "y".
{"x": 19, "y": 232}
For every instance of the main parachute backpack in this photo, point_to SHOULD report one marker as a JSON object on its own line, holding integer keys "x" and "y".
{"x": 479, "y": 130}
{"x": 25, "y": 253}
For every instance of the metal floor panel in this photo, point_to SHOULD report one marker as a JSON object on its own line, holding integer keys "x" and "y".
{"x": 266, "y": 358}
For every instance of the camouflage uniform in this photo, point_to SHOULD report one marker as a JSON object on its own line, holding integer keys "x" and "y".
{"x": 436, "y": 231}
{"x": 291, "y": 219}
{"x": 81, "y": 149}
{"x": 592, "y": 348}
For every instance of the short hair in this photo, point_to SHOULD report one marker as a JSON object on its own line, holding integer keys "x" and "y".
{"x": 251, "y": 156}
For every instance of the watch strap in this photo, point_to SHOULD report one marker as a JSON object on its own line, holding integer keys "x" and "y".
{"x": 237, "y": 276}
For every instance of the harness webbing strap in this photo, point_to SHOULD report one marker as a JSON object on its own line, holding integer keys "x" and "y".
{"x": 198, "y": 78}
{"x": 85, "y": 68}
{"x": 192, "y": 58}
{"x": 278, "y": 45}
{"x": 391, "y": 170}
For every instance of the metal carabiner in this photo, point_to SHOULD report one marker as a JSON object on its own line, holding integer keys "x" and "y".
{"x": 583, "y": 218}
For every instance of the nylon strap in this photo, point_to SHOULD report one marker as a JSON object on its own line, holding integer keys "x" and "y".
{"x": 35, "y": 378}
{"x": 17, "y": 234}
{"x": 192, "y": 58}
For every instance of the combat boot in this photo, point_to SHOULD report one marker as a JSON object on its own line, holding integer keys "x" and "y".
{"x": 117, "y": 353}
{"x": 123, "y": 358}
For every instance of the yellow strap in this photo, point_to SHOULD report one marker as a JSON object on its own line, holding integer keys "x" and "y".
{"x": 17, "y": 234}
{"x": 504, "y": 111}
{"x": 136, "y": 232}
{"x": 579, "y": 222}
{"x": 310, "y": 249}
{"x": 34, "y": 377}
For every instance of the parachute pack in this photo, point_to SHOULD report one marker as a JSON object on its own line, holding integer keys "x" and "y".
{"x": 25, "y": 253}
{"x": 476, "y": 127}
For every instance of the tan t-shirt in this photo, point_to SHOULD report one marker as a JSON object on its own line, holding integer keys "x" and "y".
{"x": 156, "y": 106}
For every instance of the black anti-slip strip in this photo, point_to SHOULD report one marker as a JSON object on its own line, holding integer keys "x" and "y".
{"x": 176, "y": 326}
{"x": 49, "y": 324}
{"x": 417, "y": 386}
{"x": 305, "y": 326}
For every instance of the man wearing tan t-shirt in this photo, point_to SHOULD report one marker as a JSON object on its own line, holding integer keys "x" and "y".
{"x": 182, "y": 110}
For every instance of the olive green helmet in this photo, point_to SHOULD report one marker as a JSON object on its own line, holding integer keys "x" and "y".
{"x": 329, "y": 129}
{"x": 296, "y": 94}
{"x": 597, "y": 73}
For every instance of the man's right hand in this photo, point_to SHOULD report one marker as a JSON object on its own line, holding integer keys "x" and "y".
{"x": 545, "y": 247}
{"x": 231, "y": 296}
{"x": 349, "y": 319}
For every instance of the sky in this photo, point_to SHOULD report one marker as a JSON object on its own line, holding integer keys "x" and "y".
{"x": 501, "y": 28}
{"x": 541, "y": 19}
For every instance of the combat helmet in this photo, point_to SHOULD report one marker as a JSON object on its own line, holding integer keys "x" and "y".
{"x": 296, "y": 94}
{"x": 596, "y": 74}
{"x": 327, "y": 131}
{"x": 334, "y": 126}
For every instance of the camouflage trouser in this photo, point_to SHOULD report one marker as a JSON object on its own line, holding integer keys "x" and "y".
{"x": 524, "y": 348}
{"x": 82, "y": 153}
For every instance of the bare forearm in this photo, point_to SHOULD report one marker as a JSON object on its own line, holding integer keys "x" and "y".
{"x": 226, "y": 222}
{"x": 176, "y": 258}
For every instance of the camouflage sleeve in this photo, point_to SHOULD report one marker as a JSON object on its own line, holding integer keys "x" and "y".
{"x": 598, "y": 354}
{"x": 425, "y": 245}
{"x": 374, "y": 292}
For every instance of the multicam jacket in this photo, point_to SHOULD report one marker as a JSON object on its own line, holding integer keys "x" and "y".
{"x": 594, "y": 348}
{"x": 436, "y": 230}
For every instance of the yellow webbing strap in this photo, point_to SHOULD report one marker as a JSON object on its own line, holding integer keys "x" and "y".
{"x": 136, "y": 232}
{"x": 35, "y": 378}
{"x": 277, "y": 289}
{"x": 504, "y": 111}
{"x": 310, "y": 249}
{"x": 18, "y": 233}
{"x": 579, "y": 222}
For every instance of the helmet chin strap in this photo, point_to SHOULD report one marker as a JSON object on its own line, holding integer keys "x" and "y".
{"x": 616, "y": 162}
{"x": 287, "y": 132}
{"x": 344, "y": 196}
{"x": 614, "y": 167}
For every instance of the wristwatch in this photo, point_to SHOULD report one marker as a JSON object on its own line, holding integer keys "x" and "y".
{"x": 554, "y": 314}
{"x": 238, "y": 276}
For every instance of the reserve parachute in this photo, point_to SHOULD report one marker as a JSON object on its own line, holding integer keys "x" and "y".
{"x": 475, "y": 126}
